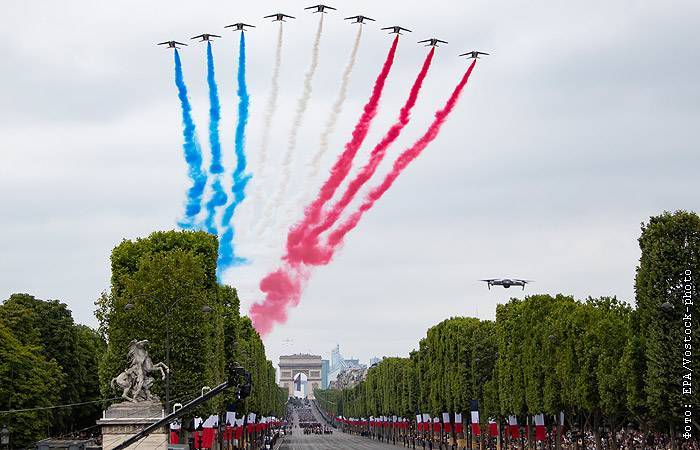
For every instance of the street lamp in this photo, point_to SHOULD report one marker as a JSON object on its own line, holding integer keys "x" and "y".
{"x": 667, "y": 307}
{"x": 5, "y": 436}
{"x": 167, "y": 310}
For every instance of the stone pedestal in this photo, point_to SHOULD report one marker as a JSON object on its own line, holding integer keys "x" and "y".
{"x": 122, "y": 420}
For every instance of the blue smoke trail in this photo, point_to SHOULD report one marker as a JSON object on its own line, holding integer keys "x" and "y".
{"x": 227, "y": 255}
{"x": 218, "y": 197}
{"x": 193, "y": 152}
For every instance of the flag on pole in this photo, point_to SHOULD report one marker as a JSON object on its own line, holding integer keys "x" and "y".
{"x": 447, "y": 421}
{"x": 458, "y": 423}
{"x": 476, "y": 430}
{"x": 513, "y": 427}
{"x": 540, "y": 431}
{"x": 493, "y": 428}
{"x": 436, "y": 425}
{"x": 175, "y": 432}
{"x": 419, "y": 423}
{"x": 209, "y": 429}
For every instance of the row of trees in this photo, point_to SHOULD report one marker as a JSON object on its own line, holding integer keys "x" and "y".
{"x": 159, "y": 289}
{"x": 46, "y": 360}
{"x": 169, "y": 283}
{"x": 601, "y": 361}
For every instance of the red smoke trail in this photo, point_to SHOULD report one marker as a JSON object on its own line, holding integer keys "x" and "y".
{"x": 344, "y": 162}
{"x": 323, "y": 255}
{"x": 309, "y": 241}
{"x": 282, "y": 288}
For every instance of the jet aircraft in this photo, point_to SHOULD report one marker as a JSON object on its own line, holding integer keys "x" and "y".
{"x": 279, "y": 17}
{"x": 473, "y": 54}
{"x": 240, "y": 26}
{"x": 396, "y": 29}
{"x": 321, "y": 8}
{"x": 359, "y": 19}
{"x": 432, "y": 42}
{"x": 172, "y": 44}
{"x": 206, "y": 37}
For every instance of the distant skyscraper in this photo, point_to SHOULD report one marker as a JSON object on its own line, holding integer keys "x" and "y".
{"x": 374, "y": 360}
{"x": 325, "y": 368}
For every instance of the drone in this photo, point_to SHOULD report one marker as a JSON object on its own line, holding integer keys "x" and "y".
{"x": 506, "y": 282}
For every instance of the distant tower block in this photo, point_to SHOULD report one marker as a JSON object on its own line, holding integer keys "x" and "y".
{"x": 292, "y": 365}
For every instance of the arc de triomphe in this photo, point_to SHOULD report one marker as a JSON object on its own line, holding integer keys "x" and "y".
{"x": 309, "y": 365}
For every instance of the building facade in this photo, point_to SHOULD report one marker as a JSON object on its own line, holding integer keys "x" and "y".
{"x": 292, "y": 365}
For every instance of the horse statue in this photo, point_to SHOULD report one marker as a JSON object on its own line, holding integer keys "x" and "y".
{"x": 135, "y": 381}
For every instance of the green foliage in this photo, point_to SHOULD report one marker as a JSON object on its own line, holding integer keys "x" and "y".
{"x": 48, "y": 327}
{"x": 167, "y": 278}
{"x": 670, "y": 245}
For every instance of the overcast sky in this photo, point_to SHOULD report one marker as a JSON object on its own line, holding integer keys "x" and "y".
{"x": 582, "y": 124}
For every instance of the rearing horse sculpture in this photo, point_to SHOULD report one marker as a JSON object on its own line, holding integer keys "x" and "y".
{"x": 135, "y": 381}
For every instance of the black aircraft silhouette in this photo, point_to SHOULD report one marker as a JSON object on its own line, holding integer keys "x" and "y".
{"x": 240, "y": 26}
{"x": 397, "y": 29}
{"x": 359, "y": 19}
{"x": 473, "y": 54}
{"x": 432, "y": 42}
{"x": 206, "y": 37}
{"x": 172, "y": 44}
{"x": 320, "y": 8}
{"x": 506, "y": 282}
{"x": 279, "y": 17}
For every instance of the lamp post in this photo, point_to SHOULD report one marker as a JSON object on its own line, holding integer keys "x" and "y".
{"x": 167, "y": 311}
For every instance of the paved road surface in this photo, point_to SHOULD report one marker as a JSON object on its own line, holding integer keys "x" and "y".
{"x": 336, "y": 441}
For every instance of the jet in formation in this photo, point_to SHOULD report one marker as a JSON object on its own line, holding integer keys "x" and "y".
{"x": 206, "y": 37}
{"x": 473, "y": 54}
{"x": 432, "y": 42}
{"x": 506, "y": 282}
{"x": 396, "y": 29}
{"x": 172, "y": 44}
{"x": 359, "y": 19}
{"x": 321, "y": 8}
{"x": 240, "y": 26}
{"x": 279, "y": 17}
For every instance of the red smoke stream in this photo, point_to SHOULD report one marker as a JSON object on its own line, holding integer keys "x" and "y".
{"x": 283, "y": 287}
{"x": 344, "y": 162}
{"x": 296, "y": 254}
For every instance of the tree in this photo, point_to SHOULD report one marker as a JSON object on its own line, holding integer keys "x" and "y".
{"x": 27, "y": 380}
{"x": 670, "y": 245}
{"x": 49, "y": 327}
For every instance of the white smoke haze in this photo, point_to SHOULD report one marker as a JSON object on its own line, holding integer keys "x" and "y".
{"x": 288, "y": 161}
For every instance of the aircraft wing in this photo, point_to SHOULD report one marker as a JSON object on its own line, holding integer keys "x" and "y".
{"x": 163, "y": 43}
{"x": 444, "y": 42}
{"x": 369, "y": 18}
{"x": 405, "y": 29}
{"x": 181, "y": 43}
{"x": 311, "y": 7}
{"x": 353, "y": 17}
{"x": 291, "y": 17}
{"x": 426, "y": 40}
{"x": 247, "y": 25}
{"x": 270, "y": 16}
{"x": 330, "y": 7}
{"x": 483, "y": 53}
{"x": 387, "y": 28}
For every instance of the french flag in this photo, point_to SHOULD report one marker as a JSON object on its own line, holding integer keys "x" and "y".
{"x": 513, "y": 427}
{"x": 540, "y": 431}
{"x": 436, "y": 425}
{"x": 209, "y": 430}
{"x": 419, "y": 423}
{"x": 493, "y": 428}
{"x": 476, "y": 430}
{"x": 175, "y": 432}
{"x": 459, "y": 427}
{"x": 446, "y": 419}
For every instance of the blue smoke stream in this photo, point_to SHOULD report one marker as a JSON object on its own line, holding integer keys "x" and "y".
{"x": 227, "y": 256}
{"x": 192, "y": 150}
{"x": 218, "y": 197}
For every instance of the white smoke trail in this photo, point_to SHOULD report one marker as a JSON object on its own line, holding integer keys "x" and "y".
{"x": 337, "y": 109}
{"x": 271, "y": 101}
{"x": 270, "y": 110}
{"x": 288, "y": 159}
